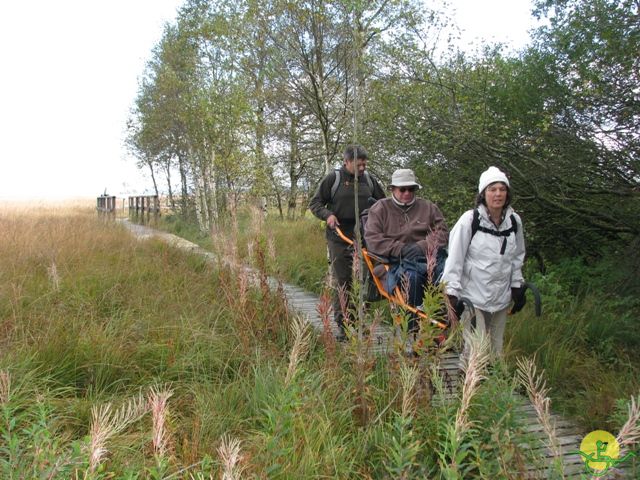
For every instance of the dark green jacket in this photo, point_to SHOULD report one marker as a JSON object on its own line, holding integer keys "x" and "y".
{"x": 342, "y": 204}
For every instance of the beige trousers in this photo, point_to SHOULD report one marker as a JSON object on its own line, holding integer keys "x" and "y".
{"x": 491, "y": 324}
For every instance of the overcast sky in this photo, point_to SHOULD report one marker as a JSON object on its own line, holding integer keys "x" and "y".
{"x": 69, "y": 76}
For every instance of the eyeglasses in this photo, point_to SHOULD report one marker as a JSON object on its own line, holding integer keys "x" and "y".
{"x": 407, "y": 189}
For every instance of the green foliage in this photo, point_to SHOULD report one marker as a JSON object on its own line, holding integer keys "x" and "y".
{"x": 584, "y": 340}
{"x": 401, "y": 449}
{"x": 184, "y": 228}
{"x": 301, "y": 252}
{"x": 33, "y": 441}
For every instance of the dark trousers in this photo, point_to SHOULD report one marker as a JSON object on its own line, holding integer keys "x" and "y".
{"x": 415, "y": 283}
{"x": 415, "y": 293}
{"x": 341, "y": 257}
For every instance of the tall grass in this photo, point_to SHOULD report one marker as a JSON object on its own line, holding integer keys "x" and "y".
{"x": 233, "y": 385}
{"x": 587, "y": 340}
{"x": 298, "y": 247}
{"x": 584, "y": 342}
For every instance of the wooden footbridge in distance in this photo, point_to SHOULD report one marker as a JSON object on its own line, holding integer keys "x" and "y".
{"x": 568, "y": 434}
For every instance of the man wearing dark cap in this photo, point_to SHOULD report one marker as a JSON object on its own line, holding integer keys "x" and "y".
{"x": 334, "y": 203}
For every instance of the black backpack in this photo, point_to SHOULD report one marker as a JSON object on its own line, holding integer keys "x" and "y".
{"x": 475, "y": 227}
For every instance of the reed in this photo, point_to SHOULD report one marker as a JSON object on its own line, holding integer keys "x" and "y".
{"x": 629, "y": 434}
{"x": 474, "y": 368}
{"x": 123, "y": 315}
{"x": 106, "y": 423}
{"x": 230, "y": 454}
{"x": 5, "y": 386}
{"x": 157, "y": 399}
{"x": 301, "y": 332}
{"x": 408, "y": 379}
{"x": 537, "y": 391}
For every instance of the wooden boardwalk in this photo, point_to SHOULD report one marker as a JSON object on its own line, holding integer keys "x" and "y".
{"x": 305, "y": 303}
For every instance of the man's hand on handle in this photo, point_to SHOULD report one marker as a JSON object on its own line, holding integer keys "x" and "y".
{"x": 332, "y": 222}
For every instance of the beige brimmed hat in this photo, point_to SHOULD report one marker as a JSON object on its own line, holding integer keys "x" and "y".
{"x": 492, "y": 175}
{"x": 404, "y": 177}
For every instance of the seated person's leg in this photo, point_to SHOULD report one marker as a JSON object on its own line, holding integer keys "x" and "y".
{"x": 438, "y": 268}
{"x": 416, "y": 287}
{"x": 415, "y": 294}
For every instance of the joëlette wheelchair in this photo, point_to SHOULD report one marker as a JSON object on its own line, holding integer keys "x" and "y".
{"x": 396, "y": 296}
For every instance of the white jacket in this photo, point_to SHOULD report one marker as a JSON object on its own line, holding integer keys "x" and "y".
{"x": 476, "y": 270}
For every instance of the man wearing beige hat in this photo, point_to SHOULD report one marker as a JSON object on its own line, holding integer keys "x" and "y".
{"x": 405, "y": 229}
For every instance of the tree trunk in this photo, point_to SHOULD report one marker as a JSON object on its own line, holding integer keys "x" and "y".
{"x": 211, "y": 191}
{"x": 184, "y": 187}
{"x": 199, "y": 192}
{"x": 293, "y": 158}
{"x": 172, "y": 200}
{"x": 153, "y": 177}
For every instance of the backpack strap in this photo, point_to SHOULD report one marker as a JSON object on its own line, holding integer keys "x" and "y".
{"x": 475, "y": 223}
{"x": 367, "y": 177}
{"x": 475, "y": 227}
{"x": 336, "y": 182}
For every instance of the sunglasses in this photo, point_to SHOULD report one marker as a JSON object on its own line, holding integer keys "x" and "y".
{"x": 407, "y": 189}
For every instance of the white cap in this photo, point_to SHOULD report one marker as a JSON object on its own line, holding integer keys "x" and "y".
{"x": 404, "y": 177}
{"x": 492, "y": 175}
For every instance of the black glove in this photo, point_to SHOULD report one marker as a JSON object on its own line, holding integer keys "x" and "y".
{"x": 519, "y": 299}
{"x": 412, "y": 251}
{"x": 457, "y": 305}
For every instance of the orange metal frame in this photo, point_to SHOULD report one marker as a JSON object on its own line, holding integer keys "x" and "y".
{"x": 396, "y": 297}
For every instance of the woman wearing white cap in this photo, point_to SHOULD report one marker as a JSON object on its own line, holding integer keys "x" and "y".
{"x": 486, "y": 253}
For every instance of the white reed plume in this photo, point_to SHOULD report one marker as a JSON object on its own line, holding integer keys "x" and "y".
{"x": 54, "y": 276}
{"x": 324, "y": 310}
{"x": 271, "y": 248}
{"x": 355, "y": 262}
{"x": 106, "y": 423}
{"x": 301, "y": 337}
{"x": 5, "y": 386}
{"x": 408, "y": 379}
{"x": 157, "y": 399}
{"x": 404, "y": 287}
{"x": 231, "y": 458}
{"x": 243, "y": 286}
{"x": 251, "y": 247}
{"x": 474, "y": 367}
{"x": 630, "y": 432}
{"x": 432, "y": 255}
{"x": 537, "y": 391}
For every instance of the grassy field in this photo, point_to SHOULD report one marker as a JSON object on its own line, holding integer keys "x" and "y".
{"x": 128, "y": 359}
{"x": 587, "y": 340}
